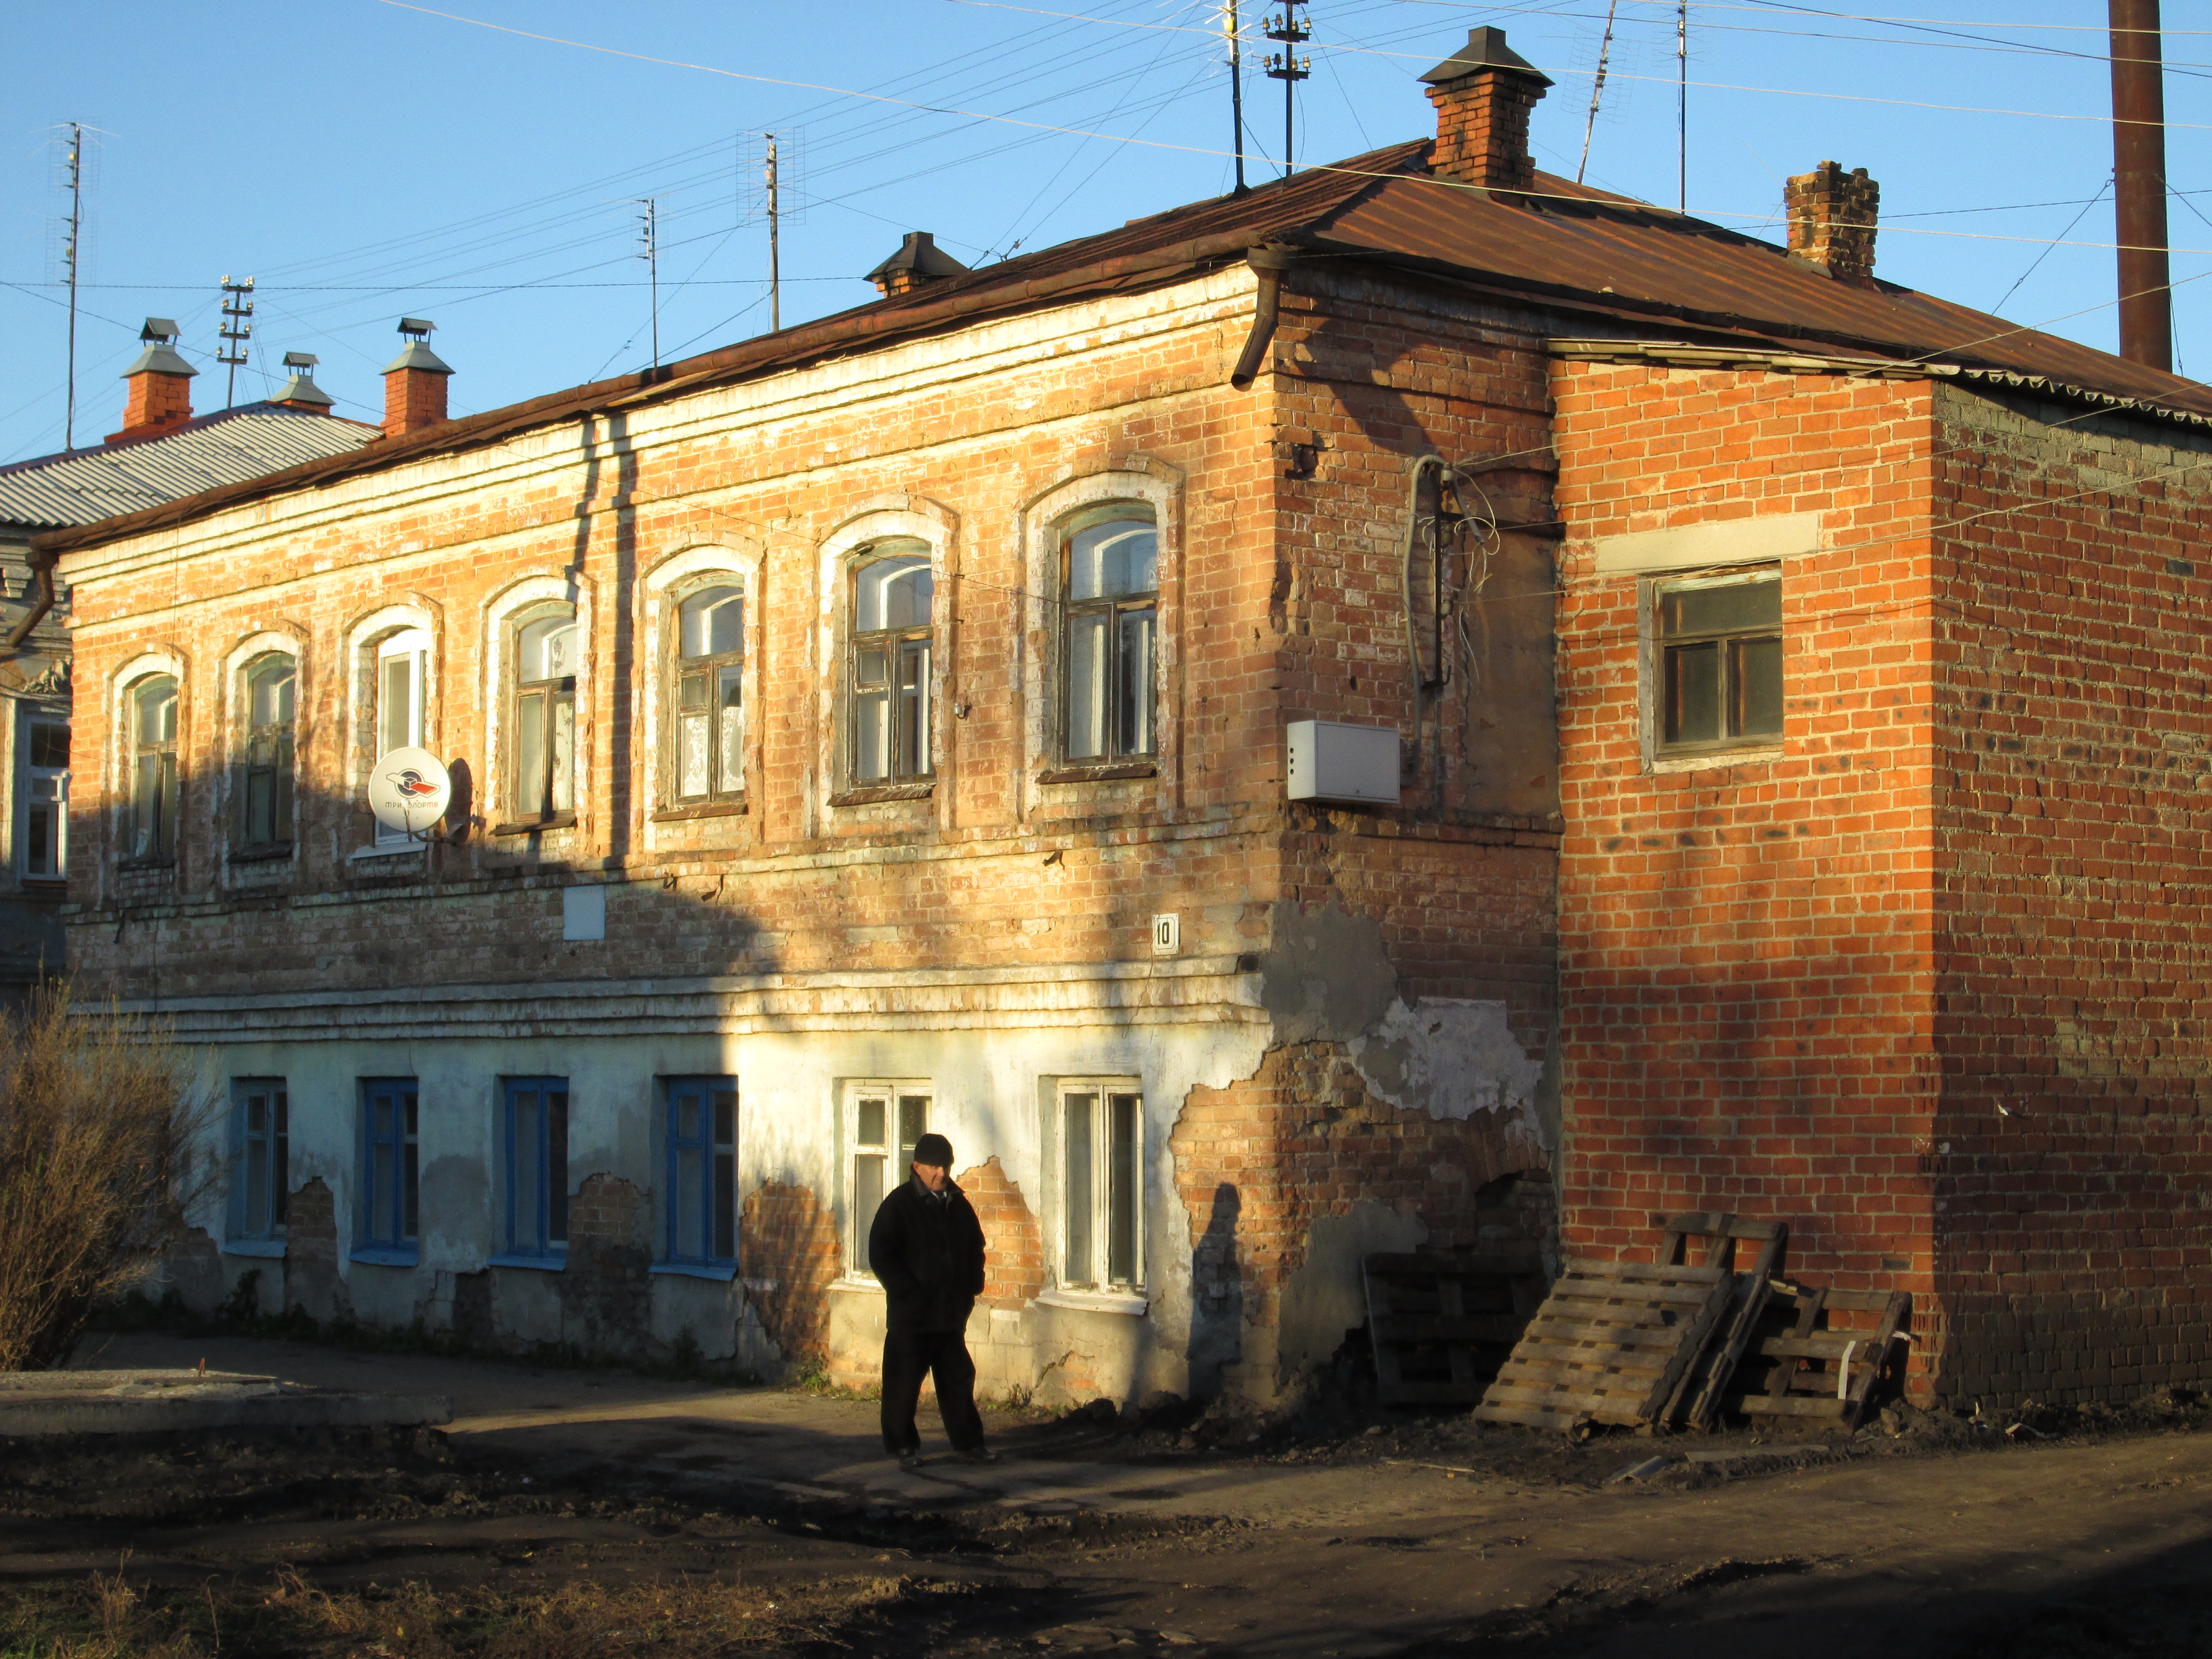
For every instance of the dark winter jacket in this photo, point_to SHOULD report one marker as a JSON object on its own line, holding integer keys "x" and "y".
{"x": 929, "y": 1255}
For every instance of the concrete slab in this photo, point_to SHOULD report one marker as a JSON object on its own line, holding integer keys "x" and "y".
{"x": 165, "y": 1402}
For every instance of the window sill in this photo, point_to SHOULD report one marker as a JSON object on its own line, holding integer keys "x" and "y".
{"x": 531, "y": 826}
{"x": 374, "y": 1257}
{"x": 548, "y": 1263}
{"x": 874, "y": 792}
{"x": 1110, "y": 773}
{"x": 870, "y": 1285}
{"x": 128, "y": 865}
{"x": 1709, "y": 760}
{"x": 271, "y": 1249}
{"x": 1108, "y": 1302}
{"x": 54, "y": 884}
{"x": 723, "y": 1271}
{"x": 262, "y": 854}
{"x": 412, "y": 850}
{"x": 715, "y": 809}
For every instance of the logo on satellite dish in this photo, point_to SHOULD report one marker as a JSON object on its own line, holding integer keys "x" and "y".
{"x": 409, "y": 791}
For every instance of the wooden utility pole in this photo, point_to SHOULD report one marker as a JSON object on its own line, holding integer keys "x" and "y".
{"x": 2139, "y": 185}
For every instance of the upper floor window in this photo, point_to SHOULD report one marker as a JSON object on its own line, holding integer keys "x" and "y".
{"x": 401, "y": 671}
{"x": 151, "y": 712}
{"x": 888, "y": 673}
{"x": 1719, "y": 645}
{"x": 545, "y": 646}
{"x": 44, "y": 791}
{"x": 1110, "y": 592}
{"x": 708, "y": 719}
{"x": 264, "y": 770}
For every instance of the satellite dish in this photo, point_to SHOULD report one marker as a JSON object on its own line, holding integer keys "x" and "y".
{"x": 408, "y": 790}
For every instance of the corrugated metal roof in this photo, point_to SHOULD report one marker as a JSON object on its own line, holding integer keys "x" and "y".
{"x": 1564, "y": 248}
{"x": 229, "y": 447}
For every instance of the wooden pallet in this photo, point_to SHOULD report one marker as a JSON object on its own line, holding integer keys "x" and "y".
{"x": 1705, "y": 1380}
{"x": 1822, "y": 1352}
{"x": 1441, "y": 1325}
{"x": 1611, "y": 1343}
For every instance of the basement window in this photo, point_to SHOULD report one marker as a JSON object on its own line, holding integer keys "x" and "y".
{"x": 1718, "y": 644}
{"x": 1100, "y": 1130}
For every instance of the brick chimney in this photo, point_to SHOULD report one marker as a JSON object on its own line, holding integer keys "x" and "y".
{"x": 1483, "y": 93}
{"x": 160, "y": 383}
{"x": 918, "y": 260}
{"x": 1832, "y": 217}
{"x": 414, "y": 382}
{"x": 301, "y": 392}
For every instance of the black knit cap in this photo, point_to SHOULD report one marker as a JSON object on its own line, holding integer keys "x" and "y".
{"x": 933, "y": 1149}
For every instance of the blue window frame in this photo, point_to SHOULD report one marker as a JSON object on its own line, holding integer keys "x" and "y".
{"x": 260, "y": 1140}
{"x": 389, "y": 1119}
{"x": 703, "y": 1170}
{"x": 535, "y": 1136}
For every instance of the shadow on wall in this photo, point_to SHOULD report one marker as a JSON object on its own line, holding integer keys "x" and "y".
{"x": 1217, "y": 1297}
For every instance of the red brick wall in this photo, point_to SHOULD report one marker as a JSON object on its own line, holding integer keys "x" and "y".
{"x": 792, "y": 1256}
{"x": 1013, "y": 1244}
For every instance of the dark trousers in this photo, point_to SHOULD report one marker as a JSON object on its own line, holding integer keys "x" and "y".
{"x": 909, "y": 1356}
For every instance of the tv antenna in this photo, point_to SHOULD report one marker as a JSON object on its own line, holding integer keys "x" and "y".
{"x": 1289, "y": 68}
{"x": 237, "y": 329}
{"x": 1229, "y": 29}
{"x": 649, "y": 234}
{"x": 72, "y": 261}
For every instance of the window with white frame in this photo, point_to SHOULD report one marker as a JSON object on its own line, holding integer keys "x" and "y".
{"x": 1717, "y": 644}
{"x": 1100, "y": 1132}
{"x": 399, "y": 718}
{"x": 883, "y": 1122}
{"x": 534, "y": 1143}
{"x": 1109, "y": 600}
{"x": 150, "y": 717}
{"x": 889, "y": 643}
{"x": 708, "y": 715}
{"x": 544, "y": 721}
{"x": 390, "y": 1119}
{"x": 263, "y": 797}
{"x": 45, "y": 772}
{"x": 703, "y": 1170}
{"x": 260, "y": 1137}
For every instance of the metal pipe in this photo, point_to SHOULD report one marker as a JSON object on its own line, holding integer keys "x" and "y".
{"x": 42, "y": 568}
{"x": 2139, "y": 185}
{"x": 1268, "y": 263}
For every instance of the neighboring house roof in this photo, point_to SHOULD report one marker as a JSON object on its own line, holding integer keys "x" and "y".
{"x": 1562, "y": 246}
{"x": 83, "y": 486}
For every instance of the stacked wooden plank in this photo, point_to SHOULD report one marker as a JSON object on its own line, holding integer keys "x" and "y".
{"x": 1822, "y": 1352}
{"x": 1441, "y": 1325}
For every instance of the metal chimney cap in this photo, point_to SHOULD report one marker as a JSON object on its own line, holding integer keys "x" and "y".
{"x": 920, "y": 253}
{"x": 416, "y": 327}
{"x": 1485, "y": 48}
{"x": 301, "y": 360}
{"x": 163, "y": 329}
{"x": 302, "y": 387}
{"x": 419, "y": 357}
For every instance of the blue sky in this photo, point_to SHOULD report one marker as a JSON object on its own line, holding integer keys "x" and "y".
{"x": 363, "y": 159}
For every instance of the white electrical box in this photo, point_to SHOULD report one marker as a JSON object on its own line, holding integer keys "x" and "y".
{"x": 1354, "y": 764}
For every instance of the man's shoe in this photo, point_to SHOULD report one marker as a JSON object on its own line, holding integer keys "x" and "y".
{"x": 979, "y": 1454}
{"x": 910, "y": 1461}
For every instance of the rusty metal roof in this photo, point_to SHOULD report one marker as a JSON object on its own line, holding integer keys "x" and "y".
{"x": 1565, "y": 250}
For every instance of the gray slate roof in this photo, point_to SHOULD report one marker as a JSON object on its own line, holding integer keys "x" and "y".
{"x": 229, "y": 447}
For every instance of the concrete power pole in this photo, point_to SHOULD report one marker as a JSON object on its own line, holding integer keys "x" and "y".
{"x": 2139, "y": 185}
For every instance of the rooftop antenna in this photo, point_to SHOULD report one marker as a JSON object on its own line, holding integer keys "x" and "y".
{"x": 1290, "y": 68}
{"x": 1229, "y": 27}
{"x": 1682, "y": 107}
{"x": 237, "y": 329}
{"x": 775, "y": 254}
{"x": 74, "y": 163}
{"x": 649, "y": 235}
{"x": 1597, "y": 91}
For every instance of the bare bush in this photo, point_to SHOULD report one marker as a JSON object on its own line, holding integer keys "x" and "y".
{"x": 97, "y": 1128}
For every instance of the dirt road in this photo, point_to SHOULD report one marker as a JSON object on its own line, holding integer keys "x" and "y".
{"x": 778, "y": 1504}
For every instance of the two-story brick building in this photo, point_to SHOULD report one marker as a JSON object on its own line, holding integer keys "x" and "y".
{"x": 888, "y": 723}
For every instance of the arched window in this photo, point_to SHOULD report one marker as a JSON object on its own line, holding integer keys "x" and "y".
{"x": 264, "y": 797}
{"x": 708, "y": 716}
{"x": 151, "y": 712}
{"x": 545, "y": 646}
{"x": 888, "y": 661}
{"x": 398, "y": 704}
{"x": 1109, "y": 595}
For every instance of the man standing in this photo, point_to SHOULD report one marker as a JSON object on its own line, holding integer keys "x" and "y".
{"x": 927, "y": 1248}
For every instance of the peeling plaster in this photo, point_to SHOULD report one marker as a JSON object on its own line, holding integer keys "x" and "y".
{"x": 1327, "y": 1297}
{"x": 1452, "y": 1058}
{"x": 1327, "y": 976}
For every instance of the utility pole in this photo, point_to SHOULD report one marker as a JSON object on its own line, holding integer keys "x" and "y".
{"x": 1597, "y": 88}
{"x": 2139, "y": 185}
{"x": 1290, "y": 68}
{"x": 649, "y": 234}
{"x": 237, "y": 329}
{"x": 70, "y": 262}
{"x": 1236, "y": 88}
{"x": 775, "y": 254}
{"x": 1682, "y": 107}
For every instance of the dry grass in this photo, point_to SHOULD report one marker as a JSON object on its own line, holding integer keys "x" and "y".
{"x": 96, "y": 1128}
{"x": 108, "y": 1618}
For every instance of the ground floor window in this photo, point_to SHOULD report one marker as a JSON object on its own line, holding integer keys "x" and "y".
{"x": 883, "y": 1121}
{"x": 1101, "y": 1133}
{"x": 703, "y": 1169}
{"x": 534, "y": 1131}
{"x": 389, "y": 1118}
{"x": 261, "y": 1150}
